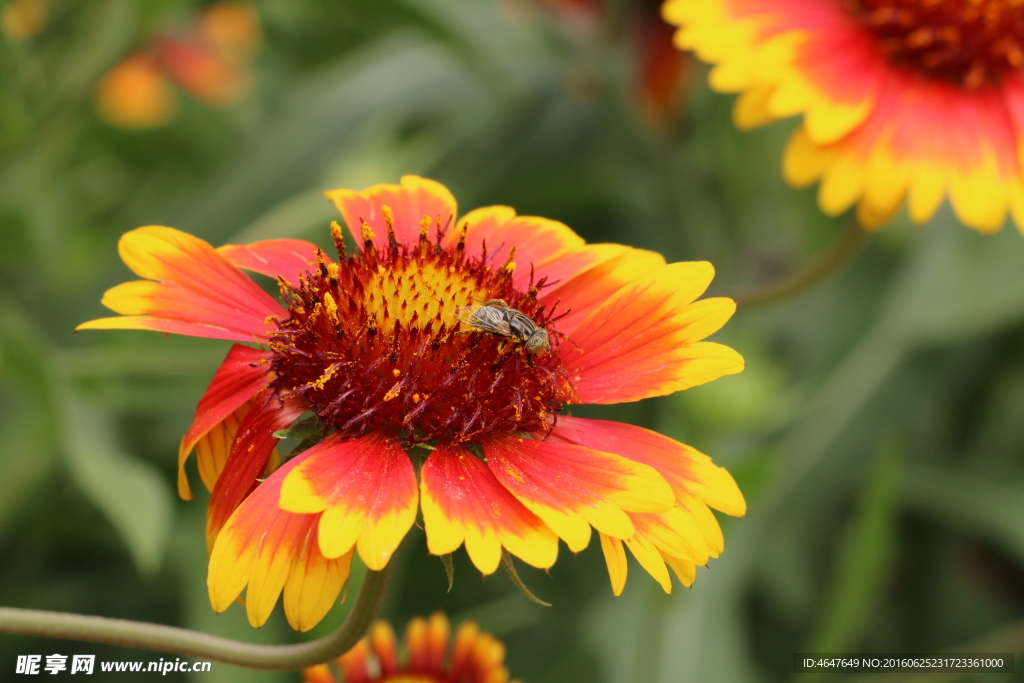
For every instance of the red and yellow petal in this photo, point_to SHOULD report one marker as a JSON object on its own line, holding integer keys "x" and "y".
{"x": 689, "y": 472}
{"x": 581, "y": 294}
{"x": 477, "y": 657}
{"x": 793, "y": 57}
{"x": 427, "y": 641}
{"x": 212, "y": 451}
{"x": 923, "y": 141}
{"x": 287, "y": 258}
{"x": 385, "y": 647}
{"x": 572, "y": 488}
{"x": 463, "y": 502}
{"x": 643, "y": 341}
{"x": 189, "y": 289}
{"x": 874, "y": 135}
{"x": 615, "y": 558}
{"x": 411, "y": 202}
{"x": 321, "y": 673}
{"x": 684, "y": 536}
{"x": 270, "y": 551}
{"x": 572, "y": 263}
{"x": 249, "y": 458}
{"x": 354, "y": 664}
{"x": 238, "y": 379}
{"x": 366, "y": 490}
{"x": 537, "y": 241}
{"x": 314, "y": 581}
{"x": 654, "y": 560}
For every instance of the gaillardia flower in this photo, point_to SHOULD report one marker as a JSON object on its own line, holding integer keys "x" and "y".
{"x": 411, "y": 404}
{"x": 903, "y": 100}
{"x": 210, "y": 61}
{"x": 475, "y": 658}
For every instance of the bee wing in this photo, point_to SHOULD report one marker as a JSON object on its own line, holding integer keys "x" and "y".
{"x": 485, "y": 319}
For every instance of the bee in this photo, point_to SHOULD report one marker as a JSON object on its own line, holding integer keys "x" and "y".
{"x": 496, "y": 318}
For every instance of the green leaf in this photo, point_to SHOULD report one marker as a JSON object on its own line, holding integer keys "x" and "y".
{"x": 510, "y": 569}
{"x": 301, "y": 430}
{"x": 130, "y": 492}
{"x": 865, "y": 557}
{"x": 449, "y": 569}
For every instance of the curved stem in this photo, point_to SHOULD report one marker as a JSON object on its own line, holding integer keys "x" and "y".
{"x": 181, "y": 641}
{"x": 827, "y": 263}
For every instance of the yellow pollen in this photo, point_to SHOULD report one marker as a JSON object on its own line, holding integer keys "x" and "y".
{"x": 396, "y": 372}
{"x": 393, "y": 392}
{"x": 270, "y": 320}
{"x": 415, "y": 398}
{"x": 510, "y": 266}
{"x": 324, "y": 378}
{"x": 332, "y": 308}
{"x": 424, "y": 225}
{"x": 389, "y": 217}
{"x": 332, "y": 271}
{"x": 367, "y": 232}
{"x": 336, "y": 232}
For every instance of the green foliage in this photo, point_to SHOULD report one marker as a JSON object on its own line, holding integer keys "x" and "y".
{"x": 876, "y": 432}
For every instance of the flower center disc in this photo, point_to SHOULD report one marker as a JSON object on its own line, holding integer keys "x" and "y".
{"x": 969, "y": 42}
{"x": 375, "y": 342}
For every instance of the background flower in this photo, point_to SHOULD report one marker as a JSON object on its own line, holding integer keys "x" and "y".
{"x": 474, "y": 657}
{"x": 903, "y": 100}
{"x": 209, "y": 60}
{"x": 21, "y": 19}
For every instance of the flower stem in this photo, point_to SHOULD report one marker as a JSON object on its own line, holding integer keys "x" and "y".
{"x": 827, "y": 263}
{"x": 181, "y": 641}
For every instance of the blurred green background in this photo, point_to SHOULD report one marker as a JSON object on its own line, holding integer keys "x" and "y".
{"x": 877, "y": 431}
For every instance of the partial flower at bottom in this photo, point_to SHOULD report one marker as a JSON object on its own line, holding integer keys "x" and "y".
{"x": 475, "y": 657}
{"x": 410, "y": 402}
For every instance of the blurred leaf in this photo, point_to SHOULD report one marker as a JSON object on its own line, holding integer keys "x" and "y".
{"x": 105, "y": 33}
{"x": 325, "y": 115}
{"x": 957, "y": 285}
{"x": 27, "y": 421}
{"x": 188, "y": 558}
{"x": 865, "y": 556}
{"x": 25, "y": 455}
{"x": 130, "y": 492}
{"x": 704, "y": 639}
{"x": 991, "y": 508}
{"x": 501, "y": 51}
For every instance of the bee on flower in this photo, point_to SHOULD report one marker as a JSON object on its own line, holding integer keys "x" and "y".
{"x": 368, "y": 344}
{"x": 496, "y": 318}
